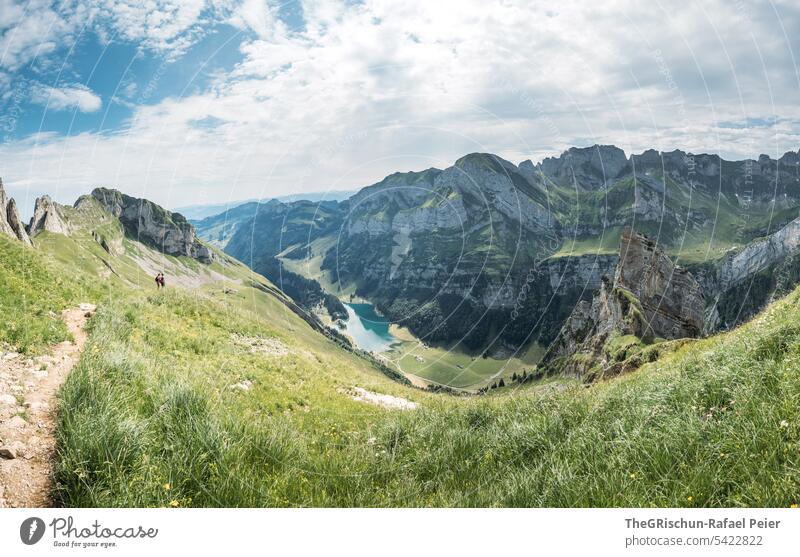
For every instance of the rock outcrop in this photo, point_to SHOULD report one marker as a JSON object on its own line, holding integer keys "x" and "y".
{"x": 149, "y": 223}
{"x": 649, "y": 299}
{"x": 10, "y": 223}
{"x": 48, "y": 215}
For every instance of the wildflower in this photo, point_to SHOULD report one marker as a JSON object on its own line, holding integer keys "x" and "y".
{"x": 167, "y": 487}
{"x": 174, "y": 503}
{"x": 793, "y": 506}
{"x": 633, "y": 476}
{"x": 690, "y": 498}
{"x": 784, "y": 423}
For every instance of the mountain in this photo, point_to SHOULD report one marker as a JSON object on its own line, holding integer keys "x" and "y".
{"x": 202, "y": 211}
{"x": 494, "y": 256}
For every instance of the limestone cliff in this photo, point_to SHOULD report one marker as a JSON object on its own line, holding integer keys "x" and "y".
{"x": 48, "y": 215}
{"x": 649, "y": 299}
{"x": 10, "y": 223}
{"x": 147, "y": 222}
{"x": 746, "y": 279}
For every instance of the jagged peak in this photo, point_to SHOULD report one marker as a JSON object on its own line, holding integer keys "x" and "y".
{"x": 10, "y": 223}
{"x": 48, "y": 215}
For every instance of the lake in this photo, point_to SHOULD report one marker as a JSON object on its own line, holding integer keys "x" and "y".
{"x": 369, "y": 330}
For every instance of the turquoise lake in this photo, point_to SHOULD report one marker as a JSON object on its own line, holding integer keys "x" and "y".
{"x": 369, "y": 330}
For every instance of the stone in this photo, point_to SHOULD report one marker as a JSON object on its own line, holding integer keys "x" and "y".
{"x": 8, "y": 453}
{"x": 242, "y": 385}
{"x": 15, "y": 423}
{"x": 8, "y": 399}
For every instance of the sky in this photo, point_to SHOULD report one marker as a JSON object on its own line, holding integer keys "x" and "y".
{"x": 207, "y": 101}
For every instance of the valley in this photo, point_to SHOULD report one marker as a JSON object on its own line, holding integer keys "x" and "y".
{"x": 481, "y": 263}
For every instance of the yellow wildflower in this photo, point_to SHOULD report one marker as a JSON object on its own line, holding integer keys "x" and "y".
{"x": 174, "y": 503}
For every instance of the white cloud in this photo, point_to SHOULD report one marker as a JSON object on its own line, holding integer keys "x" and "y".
{"x": 76, "y": 97}
{"x": 364, "y": 89}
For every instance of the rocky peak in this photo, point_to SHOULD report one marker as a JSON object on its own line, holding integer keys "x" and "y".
{"x": 10, "y": 223}
{"x": 649, "y": 298}
{"x": 152, "y": 224}
{"x": 591, "y": 167}
{"x": 48, "y": 215}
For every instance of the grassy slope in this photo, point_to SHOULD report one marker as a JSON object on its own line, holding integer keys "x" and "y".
{"x": 149, "y": 419}
{"x": 32, "y": 295}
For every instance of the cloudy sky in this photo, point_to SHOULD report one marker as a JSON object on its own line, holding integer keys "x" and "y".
{"x": 202, "y": 101}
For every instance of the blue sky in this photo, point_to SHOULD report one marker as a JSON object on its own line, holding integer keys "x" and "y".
{"x": 192, "y": 101}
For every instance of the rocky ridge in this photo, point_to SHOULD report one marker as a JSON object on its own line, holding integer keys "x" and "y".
{"x": 10, "y": 223}
{"x": 649, "y": 299}
{"x": 168, "y": 232}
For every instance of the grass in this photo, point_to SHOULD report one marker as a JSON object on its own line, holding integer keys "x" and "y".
{"x": 32, "y": 296}
{"x": 459, "y": 367}
{"x": 148, "y": 420}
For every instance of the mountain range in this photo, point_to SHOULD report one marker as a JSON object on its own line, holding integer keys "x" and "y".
{"x": 492, "y": 257}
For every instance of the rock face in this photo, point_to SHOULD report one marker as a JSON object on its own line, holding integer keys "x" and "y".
{"x": 649, "y": 298}
{"x": 743, "y": 281}
{"x": 147, "y": 222}
{"x": 48, "y": 215}
{"x": 10, "y": 223}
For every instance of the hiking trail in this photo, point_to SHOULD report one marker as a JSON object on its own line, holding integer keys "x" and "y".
{"x": 28, "y": 389}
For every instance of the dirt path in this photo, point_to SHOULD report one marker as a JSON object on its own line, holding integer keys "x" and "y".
{"x": 28, "y": 388}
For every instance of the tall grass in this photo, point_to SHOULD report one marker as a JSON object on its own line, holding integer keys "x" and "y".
{"x": 147, "y": 420}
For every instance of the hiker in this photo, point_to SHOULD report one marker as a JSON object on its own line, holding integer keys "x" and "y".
{"x": 160, "y": 280}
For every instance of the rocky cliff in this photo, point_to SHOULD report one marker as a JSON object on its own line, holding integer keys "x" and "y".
{"x": 649, "y": 299}
{"x": 10, "y": 223}
{"x": 48, "y": 215}
{"x": 746, "y": 279}
{"x": 147, "y": 222}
